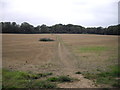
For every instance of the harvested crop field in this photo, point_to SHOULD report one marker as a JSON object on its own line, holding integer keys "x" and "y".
{"x": 93, "y": 51}
{"x": 66, "y": 55}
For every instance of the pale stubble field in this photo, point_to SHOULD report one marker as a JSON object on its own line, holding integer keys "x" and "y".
{"x": 68, "y": 54}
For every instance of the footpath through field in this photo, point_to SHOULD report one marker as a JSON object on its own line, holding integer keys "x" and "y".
{"x": 69, "y": 62}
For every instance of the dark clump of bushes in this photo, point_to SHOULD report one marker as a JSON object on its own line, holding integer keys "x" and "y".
{"x": 46, "y": 39}
{"x": 78, "y": 72}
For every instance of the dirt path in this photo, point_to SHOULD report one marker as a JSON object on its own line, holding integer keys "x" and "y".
{"x": 69, "y": 62}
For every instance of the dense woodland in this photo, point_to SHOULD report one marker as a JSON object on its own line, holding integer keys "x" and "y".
{"x": 26, "y": 28}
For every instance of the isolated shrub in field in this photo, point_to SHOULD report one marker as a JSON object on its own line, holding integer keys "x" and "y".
{"x": 46, "y": 39}
{"x": 78, "y": 72}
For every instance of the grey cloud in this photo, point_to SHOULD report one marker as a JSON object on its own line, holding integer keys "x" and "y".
{"x": 79, "y": 12}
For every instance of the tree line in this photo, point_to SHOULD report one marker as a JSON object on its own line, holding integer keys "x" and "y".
{"x": 26, "y": 28}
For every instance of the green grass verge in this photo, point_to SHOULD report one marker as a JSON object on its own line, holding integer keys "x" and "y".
{"x": 44, "y": 84}
{"x": 18, "y": 79}
{"x": 108, "y": 78}
{"x": 15, "y": 79}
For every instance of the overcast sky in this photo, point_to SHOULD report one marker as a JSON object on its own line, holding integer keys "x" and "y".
{"x": 80, "y": 12}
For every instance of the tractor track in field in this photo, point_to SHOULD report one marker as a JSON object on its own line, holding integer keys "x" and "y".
{"x": 69, "y": 62}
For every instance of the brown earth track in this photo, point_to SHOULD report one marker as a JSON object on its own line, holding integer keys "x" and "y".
{"x": 70, "y": 67}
